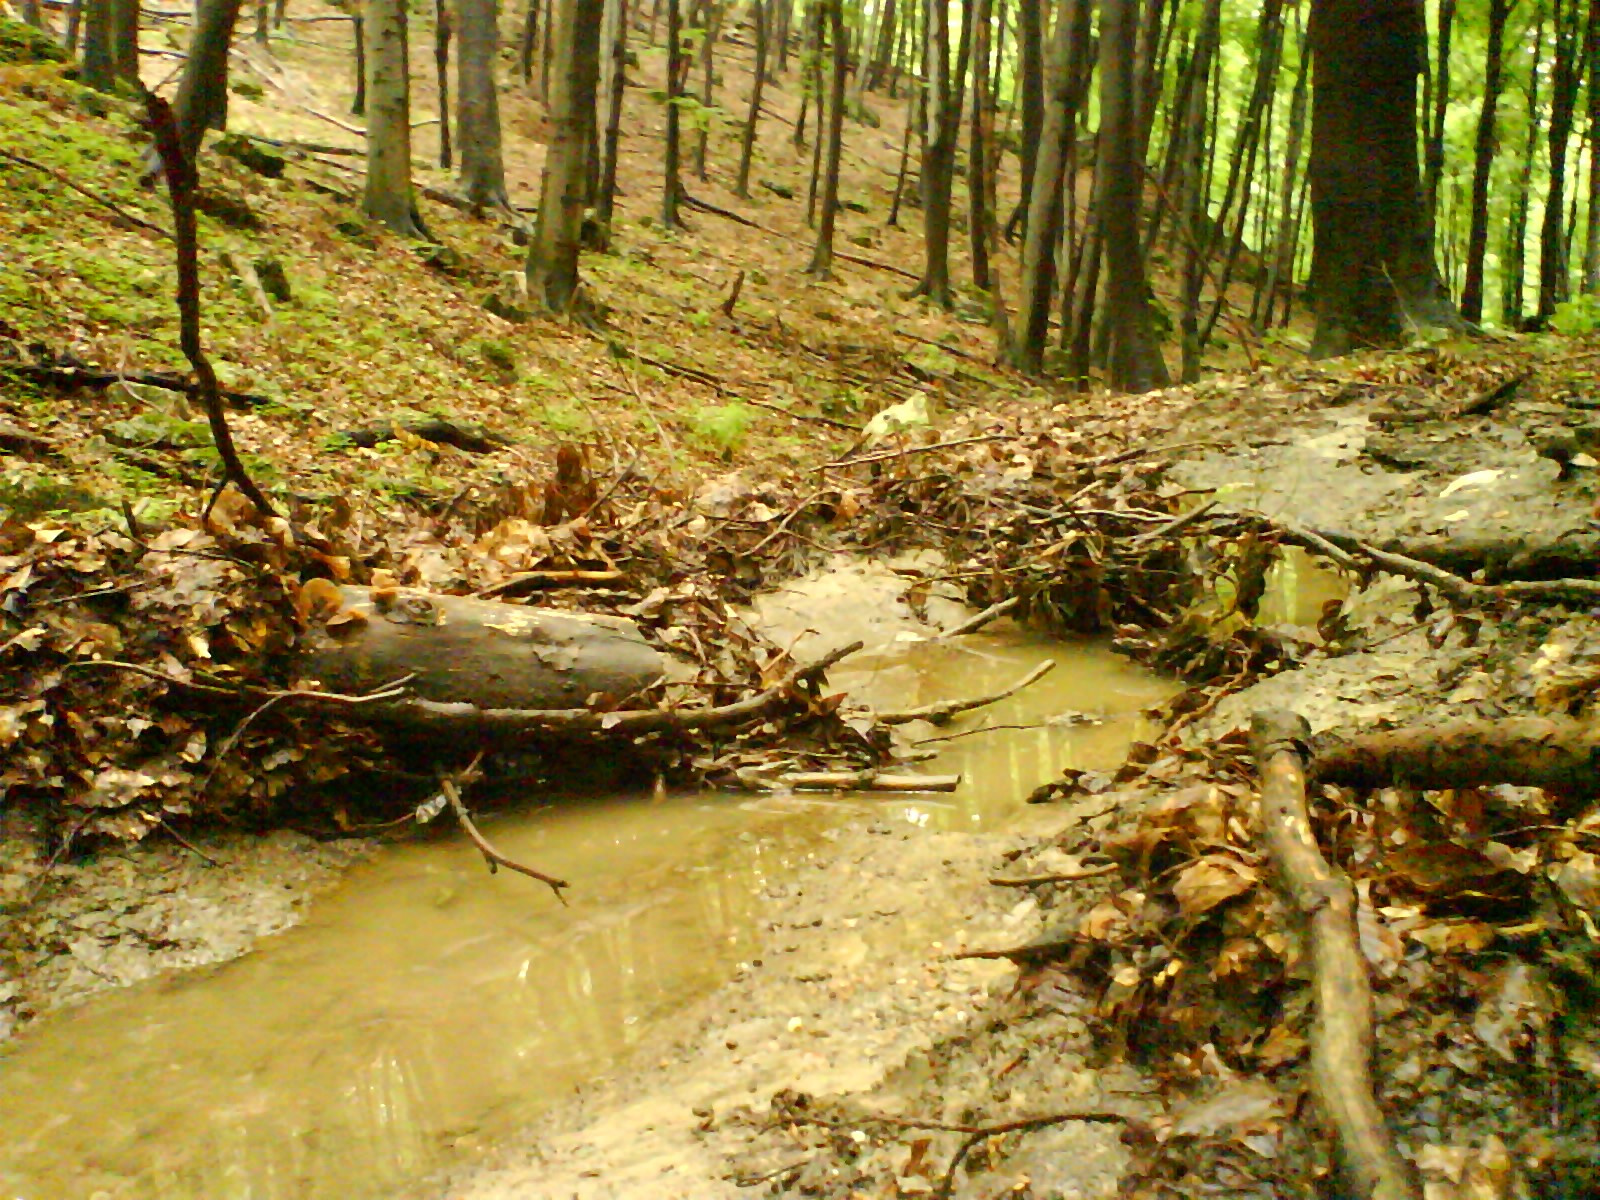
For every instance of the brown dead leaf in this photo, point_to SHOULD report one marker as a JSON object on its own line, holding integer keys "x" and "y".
{"x": 1211, "y": 880}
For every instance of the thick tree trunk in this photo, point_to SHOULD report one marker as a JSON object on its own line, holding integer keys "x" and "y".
{"x": 483, "y": 173}
{"x": 1483, "y": 163}
{"x": 202, "y": 99}
{"x": 388, "y": 195}
{"x": 1134, "y": 363}
{"x": 480, "y": 652}
{"x": 615, "y": 82}
{"x": 822, "y": 257}
{"x": 1433, "y": 158}
{"x": 1373, "y": 272}
{"x": 552, "y": 267}
{"x": 672, "y": 184}
{"x": 442, "y": 30}
{"x": 759, "y": 15}
{"x": 1045, "y": 198}
{"x": 1566, "y": 77}
{"x": 99, "y": 62}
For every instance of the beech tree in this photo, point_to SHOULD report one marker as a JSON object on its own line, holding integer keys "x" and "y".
{"x": 1373, "y": 272}
{"x": 552, "y": 264}
{"x": 388, "y": 196}
{"x": 483, "y": 174}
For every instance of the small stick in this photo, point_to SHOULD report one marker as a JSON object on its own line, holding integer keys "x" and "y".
{"x": 186, "y": 844}
{"x": 868, "y": 781}
{"x": 941, "y": 712}
{"x": 1059, "y": 877}
{"x": 492, "y": 856}
{"x": 976, "y": 622}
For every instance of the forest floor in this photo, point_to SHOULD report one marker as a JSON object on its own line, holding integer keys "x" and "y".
{"x": 811, "y": 1072}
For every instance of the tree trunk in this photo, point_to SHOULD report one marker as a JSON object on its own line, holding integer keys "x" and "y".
{"x": 99, "y": 62}
{"x": 1045, "y": 197}
{"x": 69, "y": 40}
{"x": 822, "y": 257}
{"x": 483, "y": 174}
{"x": 883, "y": 51}
{"x": 33, "y": 14}
{"x": 388, "y": 195}
{"x": 1281, "y": 273}
{"x": 913, "y": 118}
{"x": 1483, "y": 163}
{"x": 1030, "y": 63}
{"x": 1514, "y": 260}
{"x": 358, "y": 103}
{"x": 615, "y": 83}
{"x": 1189, "y": 169}
{"x": 125, "y": 39}
{"x": 1134, "y": 362}
{"x": 980, "y": 136}
{"x": 712, "y": 11}
{"x": 941, "y": 124}
{"x": 1566, "y": 77}
{"x": 552, "y": 267}
{"x": 528, "y": 40}
{"x": 1591, "y": 253}
{"x": 672, "y": 185}
{"x": 441, "y": 73}
{"x": 782, "y": 18}
{"x": 202, "y": 98}
{"x": 1433, "y": 157}
{"x": 811, "y": 52}
{"x": 1373, "y": 273}
{"x": 759, "y": 10}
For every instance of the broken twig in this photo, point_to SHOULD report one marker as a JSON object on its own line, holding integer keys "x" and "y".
{"x": 940, "y": 713}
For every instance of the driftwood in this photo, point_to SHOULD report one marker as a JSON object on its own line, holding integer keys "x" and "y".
{"x": 944, "y": 710}
{"x": 1557, "y": 754}
{"x": 460, "y": 434}
{"x": 478, "y": 652}
{"x": 1321, "y": 902}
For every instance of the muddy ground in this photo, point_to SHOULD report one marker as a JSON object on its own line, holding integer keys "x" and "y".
{"x": 824, "y": 1020}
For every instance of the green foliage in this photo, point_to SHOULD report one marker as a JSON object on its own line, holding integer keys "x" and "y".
{"x": 722, "y": 425}
{"x": 498, "y": 354}
{"x": 21, "y": 43}
{"x": 1578, "y": 316}
{"x": 158, "y": 430}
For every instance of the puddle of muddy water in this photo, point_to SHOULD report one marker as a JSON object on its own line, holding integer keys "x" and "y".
{"x": 425, "y": 1011}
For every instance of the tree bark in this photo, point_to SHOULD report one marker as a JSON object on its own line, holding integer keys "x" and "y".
{"x": 822, "y": 257}
{"x": 125, "y": 39}
{"x": 202, "y": 98}
{"x": 1045, "y": 198}
{"x": 1135, "y": 363}
{"x": 358, "y": 103}
{"x": 615, "y": 81}
{"x": 672, "y": 184}
{"x": 877, "y": 71}
{"x": 1373, "y": 271}
{"x": 1514, "y": 261}
{"x": 1281, "y": 273}
{"x": 527, "y": 40}
{"x": 388, "y": 197}
{"x": 1030, "y": 64}
{"x": 941, "y": 124}
{"x": 1189, "y": 168}
{"x": 552, "y": 267}
{"x": 99, "y": 62}
{"x": 980, "y": 134}
{"x": 1566, "y": 77}
{"x": 441, "y": 70}
{"x": 1433, "y": 158}
{"x": 1483, "y": 164}
{"x": 1591, "y": 253}
{"x": 483, "y": 174}
{"x": 759, "y": 10}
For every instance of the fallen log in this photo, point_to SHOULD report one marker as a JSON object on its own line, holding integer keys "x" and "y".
{"x": 1557, "y": 754}
{"x": 478, "y": 652}
{"x": 1322, "y": 905}
{"x": 867, "y": 781}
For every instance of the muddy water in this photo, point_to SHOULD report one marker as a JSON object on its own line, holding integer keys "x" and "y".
{"x": 426, "y": 1010}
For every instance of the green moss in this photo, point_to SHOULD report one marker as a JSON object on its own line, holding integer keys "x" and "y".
{"x": 20, "y": 43}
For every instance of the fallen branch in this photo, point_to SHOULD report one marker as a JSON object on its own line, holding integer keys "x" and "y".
{"x": 533, "y": 581}
{"x": 867, "y": 781}
{"x": 944, "y": 710}
{"x": 1322, "y": 903}
{"x": 1018, "y": 881}
{"x": 445, "y": 716}
{"x": 492, "y": 856}
{"x": 1464, "y": 591}
{"x": 463, "y": 436}
{"x": 62, "y": 178}
{"x": 1487, "y": 401}
{"x": 978, "y": 620}
{"x": 908, "y": 451}
{"x": 76, "y": 375}
{"x": 1559, "y": 755}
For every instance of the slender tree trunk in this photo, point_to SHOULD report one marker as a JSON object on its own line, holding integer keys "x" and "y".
{"x": 388, "y": 195}
{"x": 1134, "y": 362}
{"x": 941, "y": 132}
{"x": 822, "y": 257}
{"x": 1483, "y": 163}
{"x": 1045, "y": 197}
{"x": 280, "y": 12}
{"x": 913, "y": 119}
{"x": 99, "y": 62}
{"x": 672, "y": 184}
{"x": 1030, "y": 67}
{"x": 74, "y": 26}
{"x": 263, "y": 22}
{"x": 483, "y": 175}
{"x": 615, "y": 83}
{"x": 810, "y": 54}
{"x": 358, "y": 103}
{"x": 784, "y": 14}
{"x": 552, "y": 267}
{"x": 1591, "y": 253}
{"x": 1566, "y": 77}
{"x": 33, "y": 14}
{"x": 877, "y": 72}
{"x": 979, "y": 125}
{"x": 441, "y": 71}
{"x": 1514, "y": 260}
{"x": 125, "y": 39}
{"x": 712, "y": 11}
{"x": 1373, "y": 273}
{"x": 1189, "y": 162}
{"x": 1433, "y": 156}
{"x": 759, "y": 10}
{"x": 1281, "y": 273}
{"x": 528, "y": 39}
{"x": 203, "y": 88}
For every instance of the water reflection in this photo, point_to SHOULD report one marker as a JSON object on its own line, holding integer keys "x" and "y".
{"x": 427, "y": 1010}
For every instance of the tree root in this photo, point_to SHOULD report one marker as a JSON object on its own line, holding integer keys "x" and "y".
{"x": 1322, "y": 904}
